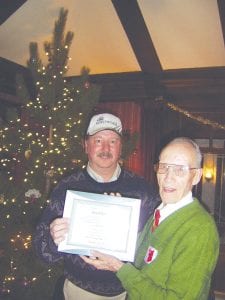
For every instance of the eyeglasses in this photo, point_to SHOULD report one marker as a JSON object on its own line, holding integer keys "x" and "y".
{"x": 178, "y": 170}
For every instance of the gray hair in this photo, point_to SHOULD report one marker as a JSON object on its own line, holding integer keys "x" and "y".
{"x": 190, "y": 142}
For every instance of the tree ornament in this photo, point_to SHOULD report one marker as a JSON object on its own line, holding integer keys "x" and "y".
{"x": 32, "y": 195}
{"x": 27, "y": 154}
{"x": 2, "y": 198}
{"x": 87, "y": 84}
{"x": 50, "y": 173}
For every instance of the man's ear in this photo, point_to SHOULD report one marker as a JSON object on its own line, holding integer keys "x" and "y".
{"x": 197, "y": 176}
{"x": 84, "y": 144}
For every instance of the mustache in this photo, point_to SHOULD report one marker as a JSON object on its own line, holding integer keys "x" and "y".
{"x": 105, "y": 155}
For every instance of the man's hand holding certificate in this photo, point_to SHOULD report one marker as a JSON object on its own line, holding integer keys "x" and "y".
{"x": 105, "y": 223}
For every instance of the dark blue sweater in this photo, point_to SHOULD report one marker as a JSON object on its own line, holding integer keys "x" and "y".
{"x": 100, "y": 282}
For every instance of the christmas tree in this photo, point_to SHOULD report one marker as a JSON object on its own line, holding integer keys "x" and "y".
{"x": 39, "y": 145}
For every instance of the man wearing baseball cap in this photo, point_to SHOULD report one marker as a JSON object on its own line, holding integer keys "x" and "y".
{"x": 103, "y": 174}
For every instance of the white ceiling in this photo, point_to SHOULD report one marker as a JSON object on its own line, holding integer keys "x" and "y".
{"x": 185, "y": 33}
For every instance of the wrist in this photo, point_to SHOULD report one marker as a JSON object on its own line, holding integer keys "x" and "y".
{"x": 118, "y": 265}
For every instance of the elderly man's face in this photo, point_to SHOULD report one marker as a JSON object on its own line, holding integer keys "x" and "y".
{"x": 103, "y": 150}
{"x": 173, "y": 186}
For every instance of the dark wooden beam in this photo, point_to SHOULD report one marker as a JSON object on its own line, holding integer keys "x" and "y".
{"x": 206, "y": 86}
{"x": 134, "y": 25}
{"x": 221, "y": 7}
{"x": 8, "y": 7}
{"x": 8, "y": 72}
{"x": 128, "y": 86}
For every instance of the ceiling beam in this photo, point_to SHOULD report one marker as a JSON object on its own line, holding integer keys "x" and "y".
{"x": 134, "y": 25}
{"x": 8, "y": 7}
{"x": 221, "y": 7}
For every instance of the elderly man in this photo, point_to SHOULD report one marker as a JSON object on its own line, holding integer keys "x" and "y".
{"x": 178, "y": 248}
{"x": 103, "y": 174}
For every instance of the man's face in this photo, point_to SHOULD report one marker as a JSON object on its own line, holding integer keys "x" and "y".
{"x": 103, "y": 150}
{"x": 172, "y": 187}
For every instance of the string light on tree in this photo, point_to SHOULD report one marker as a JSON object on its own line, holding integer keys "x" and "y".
{"x": 36, "y": 149}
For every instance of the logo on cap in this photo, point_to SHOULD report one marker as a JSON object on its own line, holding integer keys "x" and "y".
{"x": 104, "y": 122}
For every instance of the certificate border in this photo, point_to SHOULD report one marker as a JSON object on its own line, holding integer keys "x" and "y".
{"x": 70, "y": 211}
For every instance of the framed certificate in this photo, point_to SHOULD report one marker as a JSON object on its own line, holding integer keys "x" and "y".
{"x": 101, "y": 222}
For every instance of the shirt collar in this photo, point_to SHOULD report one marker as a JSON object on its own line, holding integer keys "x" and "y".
{"x": 99, "y": 178}
{"x": 170, "y": 208}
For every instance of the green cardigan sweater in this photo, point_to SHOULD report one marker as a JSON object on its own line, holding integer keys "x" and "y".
{"x": 187, "y": 246}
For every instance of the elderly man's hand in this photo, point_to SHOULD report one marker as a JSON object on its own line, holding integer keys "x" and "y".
{"x": 103, "y": 261}
{"x": 58, "y": 229}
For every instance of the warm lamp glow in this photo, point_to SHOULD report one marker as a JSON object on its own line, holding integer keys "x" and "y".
{"x": 209, "y": 174}
{"x": 209, "y": 168}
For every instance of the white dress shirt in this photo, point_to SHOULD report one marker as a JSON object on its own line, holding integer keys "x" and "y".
{"x": 168, "y": 209}
{"x": 99, "y": 178}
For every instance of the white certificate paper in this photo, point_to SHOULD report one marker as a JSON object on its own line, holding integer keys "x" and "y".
{"x": 101, "y": 222}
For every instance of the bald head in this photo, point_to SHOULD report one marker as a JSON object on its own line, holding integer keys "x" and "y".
{"x": 190, "y": 145}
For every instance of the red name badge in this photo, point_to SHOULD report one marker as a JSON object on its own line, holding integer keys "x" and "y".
{"x": 150, "y": 255}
